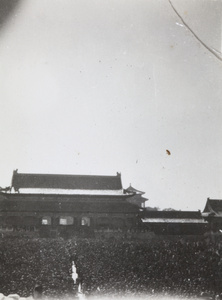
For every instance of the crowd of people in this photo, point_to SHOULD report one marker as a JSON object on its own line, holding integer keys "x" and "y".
{"x": 109, "y": 267}
{"x": 27, "y": 262}
{"x": 141, "y": 267}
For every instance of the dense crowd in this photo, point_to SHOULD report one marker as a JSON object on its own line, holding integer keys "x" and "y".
{"x": 108, "y": 267}
{"x": 27, "y": 262}
{"x": 136, "y": 268}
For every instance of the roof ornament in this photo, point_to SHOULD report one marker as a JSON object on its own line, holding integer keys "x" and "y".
{"x": 6, "y": 189}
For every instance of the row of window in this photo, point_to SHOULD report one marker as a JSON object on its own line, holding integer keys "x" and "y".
{"x": 85, "y": 221}
{"x": 46, "y": 220}
{"x": 65, "y": 221}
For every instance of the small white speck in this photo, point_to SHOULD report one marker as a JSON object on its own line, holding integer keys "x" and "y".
{"x": 179, "y": 24}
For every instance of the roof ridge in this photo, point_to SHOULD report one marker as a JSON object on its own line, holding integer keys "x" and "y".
{"x": 68, "y": 175}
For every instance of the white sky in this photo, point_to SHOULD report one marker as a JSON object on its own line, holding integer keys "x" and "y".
{"x": 96, "y": 87}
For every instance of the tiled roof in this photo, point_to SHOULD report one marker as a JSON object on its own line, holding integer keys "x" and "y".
{"x": 60, "y": 181}
{"x": 172, "y": 214}
{"x": 213, "y": 206}
{"x": 131, "y": 189}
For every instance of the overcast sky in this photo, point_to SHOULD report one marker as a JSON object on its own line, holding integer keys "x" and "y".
{"x": 99, "y": 87}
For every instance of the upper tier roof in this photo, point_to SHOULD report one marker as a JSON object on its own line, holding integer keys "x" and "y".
{"x": 213, "y": 206}
{"x": 131, "y": 189}
{"x": 68, "y": 182}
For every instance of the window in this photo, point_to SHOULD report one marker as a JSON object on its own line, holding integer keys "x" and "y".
{"x": 46, "y": 221}
{"x": 66, "y": 221}
{"x": 85, "y": 221}
{"x": 62, "y": 221}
